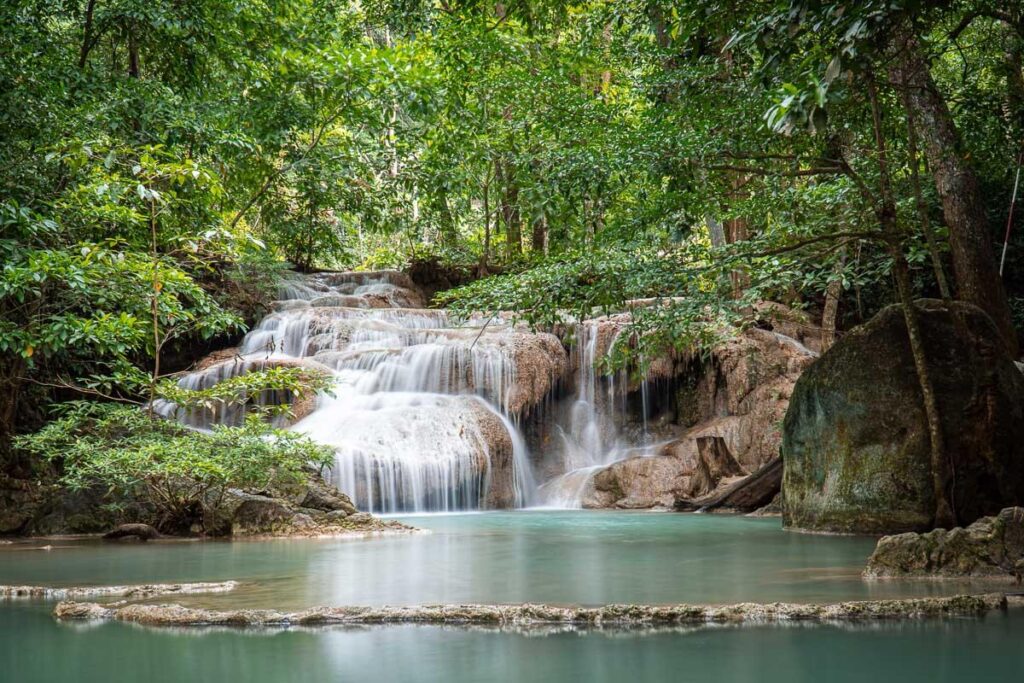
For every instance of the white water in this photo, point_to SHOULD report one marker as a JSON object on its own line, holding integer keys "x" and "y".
{"x": 590, "y": 437}
{"x": 418, "y": 414}
{"x": 415, "y": 414}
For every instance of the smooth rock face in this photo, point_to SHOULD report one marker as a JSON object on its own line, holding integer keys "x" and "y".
{"x": 991, "y": 546}
{"x": 855, "y": 438}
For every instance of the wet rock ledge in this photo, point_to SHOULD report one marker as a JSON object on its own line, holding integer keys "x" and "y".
{"x": 140, "y": 592}
{"x": 991, "y": 547}
{"x": 540, "y": 614}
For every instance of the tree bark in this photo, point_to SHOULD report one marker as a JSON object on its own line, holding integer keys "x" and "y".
{"x": 448, "y": 229}
{"x": 87, "y": 38}
{"x": 1014, "y": 107}
{"x": 539, "y": 239}
{"x": 510, "y": 210}
{"x": 746, "y": 495}
{"x": 963, "y": 205}
{"x": 831, "y": 309}
{"x": 944, "y": 516}
{"x": 133, "y": 53}
{"x": 922, "y": 206}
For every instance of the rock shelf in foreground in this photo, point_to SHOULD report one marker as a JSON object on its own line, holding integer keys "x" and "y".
{"x": 138, "y": 592}
{"x": 539, "y": 614}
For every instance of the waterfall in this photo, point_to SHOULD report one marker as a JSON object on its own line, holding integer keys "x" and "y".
{"x": 417, "y": 412}
{"x": 590, "y": 435}
{"x": 423, "y": 413}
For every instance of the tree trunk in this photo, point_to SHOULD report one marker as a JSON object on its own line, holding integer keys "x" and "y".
{"x": 746, "y": 495}
{"x": 133, "y": 54}
{"x": 831, "y": 309}
{"x": 10, "y": 391}
{"x": 448, "y": 229}
{"x": 963, "y": 205}
{"x": 922, "y": 206}
{"x": 945, "y": 517}
{"x": 487, "y": 222}
{"x": 1014, "y": 107}
{"x": 539, "y": 240}
{"x": 510, "y": 211}
{"x": 87, "y": 39}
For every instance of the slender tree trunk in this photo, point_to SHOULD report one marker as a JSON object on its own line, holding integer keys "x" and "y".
{"x": 10, "y": 391}
{"x": 1014, "y": 107}
{"x": 487, "y": 222}
{"x": 974, "y": 264}
{"x": 606, "y": 74}
{"x": 510, "y": 210}
{"x": 922, "y": 205}
{"x": 155, "y": 305}
{"x": 539, "y": 239}
{"x": 944, "y": 515}
{"x": 449, "y": 231}
{"x": 736, "y": 231}
{"x": 133, "y": 53}
{"x": 831, "y": 308}
{"x": 87, "y": 39}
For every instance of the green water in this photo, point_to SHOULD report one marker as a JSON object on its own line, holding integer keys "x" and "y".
{"x": 560, "y": 557}
{"x": 34, "y": 649}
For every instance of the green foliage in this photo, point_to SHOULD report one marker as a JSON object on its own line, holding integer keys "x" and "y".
{"x": 183, "y": 474}
{"x": 162, "y": 160}
{"x": 291, "y": 384}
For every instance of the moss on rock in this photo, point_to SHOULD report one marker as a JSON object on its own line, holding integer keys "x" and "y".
{"x": 855, "y": 438}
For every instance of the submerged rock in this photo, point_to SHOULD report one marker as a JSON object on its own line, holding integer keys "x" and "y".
{"x": 138, "y": 592}
{"x": 990, "y": 547}
{"x": 856, "y": 445}
{"x": 513, "y": 615}
{"x": 141, "y": 532}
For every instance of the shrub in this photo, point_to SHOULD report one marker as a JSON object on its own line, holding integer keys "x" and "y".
{"x": 184, "y": 475}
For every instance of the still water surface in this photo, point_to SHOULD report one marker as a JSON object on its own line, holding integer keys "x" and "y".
{"x": 542, "y": 556}
{"x": 537, "y": 556}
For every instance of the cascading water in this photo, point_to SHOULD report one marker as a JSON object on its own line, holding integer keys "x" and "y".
{"x": 419, "y": 414}
{"x": 416, "y": 412}
{"x": 589, "y": 435}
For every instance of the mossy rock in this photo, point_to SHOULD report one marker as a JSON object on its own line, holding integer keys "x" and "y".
{"x": 855, "y": 438}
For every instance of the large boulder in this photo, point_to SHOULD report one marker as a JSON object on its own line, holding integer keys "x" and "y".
{"x": 990, "y": 547}
{"x": 855, "y": 437}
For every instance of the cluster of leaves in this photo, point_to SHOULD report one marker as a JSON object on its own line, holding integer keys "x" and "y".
{"x": 270, "y": 391}
{"x": 183, "y": 474}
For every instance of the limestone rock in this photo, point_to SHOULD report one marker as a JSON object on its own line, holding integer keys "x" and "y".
{"x": 519, "y": 616}
{"x": 686, "y": 469}
{"x": 256, "y": 515}
{"x": 990, "y": 547}
{"x": 856, "y": 446}
{"x": 260, "y": 515}
{"x": 743, "y": 392}
{"x": 738, "y": 398}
